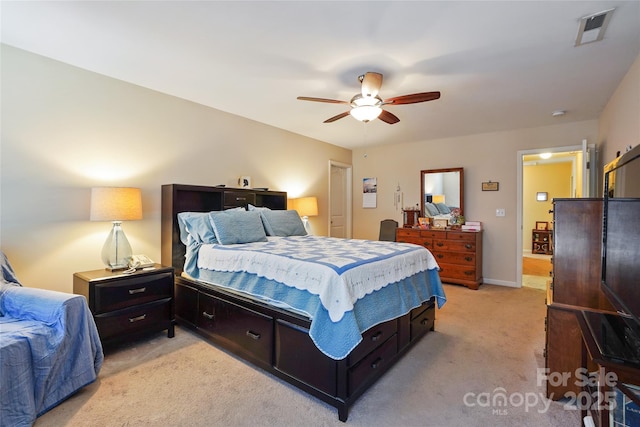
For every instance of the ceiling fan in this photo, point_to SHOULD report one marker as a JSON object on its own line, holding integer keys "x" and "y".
{"x": 367, "y": 105}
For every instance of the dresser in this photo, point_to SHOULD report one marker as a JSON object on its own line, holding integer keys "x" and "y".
{"x": 458, "y": 253}
{"x": 124, "y": 305}
{"x": 575, "y": 286}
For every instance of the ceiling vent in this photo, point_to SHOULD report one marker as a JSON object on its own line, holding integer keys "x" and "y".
{"x": 592, "y": 27}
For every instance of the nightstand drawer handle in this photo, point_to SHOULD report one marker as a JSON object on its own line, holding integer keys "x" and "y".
{"x": 241, "y": 199}
{"x": 468, "y": 246}
{"x": 253, "y": 335}
{"x": 137, "y": 291}
{"x": 207, "y": 315}
{"x": 137, "y": 319}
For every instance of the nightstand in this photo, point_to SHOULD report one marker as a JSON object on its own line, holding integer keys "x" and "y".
{"x": 124, "y": 305}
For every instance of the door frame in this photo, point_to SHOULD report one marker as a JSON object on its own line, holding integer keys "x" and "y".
{"x": 348, "y": 191}
{"x": 520, "y": 183}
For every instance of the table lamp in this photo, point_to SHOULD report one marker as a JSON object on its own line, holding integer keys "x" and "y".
{"x": 116, "y": 204}
{"x": 306, "y": 207}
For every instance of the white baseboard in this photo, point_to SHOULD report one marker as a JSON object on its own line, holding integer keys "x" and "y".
{"x": 501, "y": 283}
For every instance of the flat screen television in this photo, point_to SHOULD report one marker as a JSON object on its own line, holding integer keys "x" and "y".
{"x": 621, "y": 248}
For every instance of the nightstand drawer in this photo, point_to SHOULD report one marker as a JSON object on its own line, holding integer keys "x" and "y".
{"x": 122, "y": 293}
{"x": 151, "y": 316}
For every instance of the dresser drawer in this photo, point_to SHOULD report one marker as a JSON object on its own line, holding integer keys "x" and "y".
{"x": 372, "y": 363}
{"x": 371, "y": 339}
{"x": 454, "y": 271}
{"x": 243, "y": 330}
{"x": 127, "y": 292}
{"x": 452, "y": 245}
{"x": 462, "y": 258}
{"x": 461, "y": 235}
{"x": 155, "y": 315}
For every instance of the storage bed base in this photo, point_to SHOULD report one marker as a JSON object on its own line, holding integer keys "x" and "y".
{"x": 278, "y": 341}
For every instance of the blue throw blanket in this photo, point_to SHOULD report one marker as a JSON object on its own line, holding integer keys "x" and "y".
{"x": 49, "y": 348}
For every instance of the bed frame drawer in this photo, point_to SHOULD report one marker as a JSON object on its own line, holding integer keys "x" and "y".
{"x": 373, "y": 362}
{"x": 423, "y": 322}
{"x": 238, "y": 328}
{"x": 155, "y": 315}
{"x": 371, "y": 339}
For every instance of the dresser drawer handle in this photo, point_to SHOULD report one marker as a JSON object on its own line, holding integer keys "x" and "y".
{"x": 440, "y": 256}
{"x": 468, "y": 246}
{"x": 376, "y": 363}
{"x": 469, "y": 273}
{"x": 137, "y": 291}
{"x": 424, "y": 321}
{"x": 253, "y": 335}
{"x": 208, "y": 316}
{"x": 377, "y": 336}
{"x": 440, "y": 244}
{"x": 240, "y": 199}
{"x": 468, "y": 259}
{"x": 137, "y": 319}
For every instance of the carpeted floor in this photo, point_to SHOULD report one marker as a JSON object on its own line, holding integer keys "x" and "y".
{"x": 487, "y": 344}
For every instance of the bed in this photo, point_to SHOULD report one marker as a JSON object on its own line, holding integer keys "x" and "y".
{"x": 49, "y": 349}
{"x": 351, "y": 309}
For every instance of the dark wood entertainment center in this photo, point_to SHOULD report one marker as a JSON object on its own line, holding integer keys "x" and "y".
{"x": 268, "y": 337}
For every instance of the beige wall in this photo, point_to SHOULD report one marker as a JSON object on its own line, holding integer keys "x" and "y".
{"x": 65, "y": 130}
{"x": 619, "y": 124}
{"x": 484, "y": 157}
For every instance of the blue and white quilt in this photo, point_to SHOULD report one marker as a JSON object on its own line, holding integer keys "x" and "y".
{"x": 345, "y": 286}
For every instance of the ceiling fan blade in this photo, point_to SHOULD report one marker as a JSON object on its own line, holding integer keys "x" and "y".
{"x": 387, "y": 117}
{"x": 338, "y": 117}
{"x": 413, "y": 98}
{"x": 371, "y": 83}
{"x": 332, "y": 101}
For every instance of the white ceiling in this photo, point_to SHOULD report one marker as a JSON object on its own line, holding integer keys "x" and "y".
{"x": 499, "y": 65}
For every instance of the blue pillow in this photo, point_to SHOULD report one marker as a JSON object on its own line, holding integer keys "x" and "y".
{"x": 442, "y": 208}
{"x": 233, "y": 227}
{"x": 196, "y": 224}
{"x": 431, "y": 209}
{"x": 283, "y": 223}
{"x": 256, "y": 208}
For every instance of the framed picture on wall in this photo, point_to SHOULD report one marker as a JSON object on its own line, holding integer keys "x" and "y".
{"x": 542, "y": 225}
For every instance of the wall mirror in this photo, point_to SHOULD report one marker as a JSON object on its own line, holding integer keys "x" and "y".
{"x": 442, "y": 186}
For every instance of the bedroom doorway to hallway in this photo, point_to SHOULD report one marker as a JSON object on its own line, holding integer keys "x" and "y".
{"x": 545, "y": 174}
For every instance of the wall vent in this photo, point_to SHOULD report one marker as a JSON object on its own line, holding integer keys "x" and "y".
{"x": 592, "y": 27}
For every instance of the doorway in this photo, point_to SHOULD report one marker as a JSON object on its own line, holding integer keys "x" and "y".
{"x": 340, "y": 198}
{"x": 545, "y": 174}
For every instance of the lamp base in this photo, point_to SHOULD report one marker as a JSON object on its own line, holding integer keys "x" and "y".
{"x": 307, "y": 225}
{"x": 116, "y": 251}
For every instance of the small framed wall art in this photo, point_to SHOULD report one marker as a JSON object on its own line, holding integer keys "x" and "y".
{"x": 490, "y": 186}
{"x": 541, "y": 196}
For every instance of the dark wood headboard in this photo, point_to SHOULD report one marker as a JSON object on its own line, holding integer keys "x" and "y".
{"x": 178, "y": 198}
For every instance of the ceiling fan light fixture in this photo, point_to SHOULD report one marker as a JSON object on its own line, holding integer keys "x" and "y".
{"x": 365, "y": 113}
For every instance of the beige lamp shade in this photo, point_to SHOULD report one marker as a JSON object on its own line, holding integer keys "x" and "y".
{"x": 306, "y": 206}
{"x": 116, "y": 204}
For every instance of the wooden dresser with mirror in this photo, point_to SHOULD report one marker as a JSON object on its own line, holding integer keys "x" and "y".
{"x": 458, "y": 253}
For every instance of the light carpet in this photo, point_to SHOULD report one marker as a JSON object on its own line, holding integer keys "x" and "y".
{"x": 487, "y": 343}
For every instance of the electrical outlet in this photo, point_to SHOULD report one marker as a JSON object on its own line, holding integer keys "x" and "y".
{"x": 500, "y": 212}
